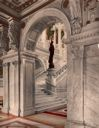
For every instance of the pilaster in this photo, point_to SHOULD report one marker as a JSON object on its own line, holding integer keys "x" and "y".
{"x": 82, "y": 109}
{"x": 27, "y": 81}
{"x": 19, "y": 83}
{"x": 6, "y": 87}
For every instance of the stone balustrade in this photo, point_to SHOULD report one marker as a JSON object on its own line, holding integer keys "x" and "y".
{"x": 60, "y": 71}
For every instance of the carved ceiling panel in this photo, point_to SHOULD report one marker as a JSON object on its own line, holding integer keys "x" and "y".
{"x": 19, "y": 5}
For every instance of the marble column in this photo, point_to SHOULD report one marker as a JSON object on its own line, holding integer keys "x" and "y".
{"x": 75, "y": 116}
{"x": 11, "y": 72}
{"x": 59, "y": 27}
{"x": 11, "y": 84}
{"x": 27, "y": 91}
{"x": 54, "y": 29}
{"x": 43, "y": 39}
{"x": 6, "y": 87}
{"x": 19, "y": 84}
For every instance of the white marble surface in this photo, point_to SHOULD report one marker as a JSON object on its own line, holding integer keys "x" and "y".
{"x": 28, "y": 122}
{"x": 92, "y": 85}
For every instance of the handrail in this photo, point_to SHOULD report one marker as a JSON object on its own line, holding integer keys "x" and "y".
{"x": 60, "y": 71}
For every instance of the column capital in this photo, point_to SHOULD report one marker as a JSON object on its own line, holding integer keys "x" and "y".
{"x": 15, "y": 62}
{"x": 77, "y": 51}
{"x": 6, "y": 64}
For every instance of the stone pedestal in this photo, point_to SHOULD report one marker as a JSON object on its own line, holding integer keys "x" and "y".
{"x": 18, "y": 84}
{"x": 51, "y": 82}
{"x": 27, "y": 82}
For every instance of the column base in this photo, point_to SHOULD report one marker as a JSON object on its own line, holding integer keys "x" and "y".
{"x": 5, "y": 110}
{"x": 74, "y": 124}
{"x": 27, "y": 112}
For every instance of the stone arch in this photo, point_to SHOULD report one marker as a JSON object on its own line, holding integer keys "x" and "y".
{"x": 41, "y": 62}
{"x": 45, "y": 17}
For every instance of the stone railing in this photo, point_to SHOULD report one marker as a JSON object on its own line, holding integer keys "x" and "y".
{"x": 61, "y": 81}
{"x": 38, "y": 72}
{"x": 60, "y": 71}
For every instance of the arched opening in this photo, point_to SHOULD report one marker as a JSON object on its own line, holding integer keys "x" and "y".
{"x": 34, "y": 31}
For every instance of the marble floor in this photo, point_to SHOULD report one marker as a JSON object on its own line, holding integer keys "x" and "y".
{"x": 22, "y": 123}
{"x": 41, "y": 120}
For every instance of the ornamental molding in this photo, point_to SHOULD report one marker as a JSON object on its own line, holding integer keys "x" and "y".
{"x": 85, "y": 36}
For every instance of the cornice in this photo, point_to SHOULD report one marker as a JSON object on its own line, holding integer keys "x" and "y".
{"x": 86, "y": 38}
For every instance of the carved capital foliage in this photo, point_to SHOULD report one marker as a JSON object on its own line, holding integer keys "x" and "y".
{"x": 6, "y": 64}
{"x": 65, "y": 3}
{"x": 77, "y": 51}
{"x": 90, "y": 4}
{"x": 76, "y": 16}
{"x": 14, "y": 34}
{"x": 15, "y": 63}
{"x": 3, "y": 38}
{"x": 76, "y": 26}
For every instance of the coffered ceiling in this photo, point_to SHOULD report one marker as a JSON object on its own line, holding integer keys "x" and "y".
{"x": 19, "y": 5}
{"x": 21, "y": 8}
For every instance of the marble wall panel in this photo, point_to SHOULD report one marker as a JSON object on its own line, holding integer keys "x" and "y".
{"x": 91, "y": 85}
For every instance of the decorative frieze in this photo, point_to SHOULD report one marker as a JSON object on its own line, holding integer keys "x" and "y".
{"x": 85, "y": 35}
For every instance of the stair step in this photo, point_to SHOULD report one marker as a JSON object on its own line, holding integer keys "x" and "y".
{"x": 50, "y": 108}
{"x": 48, "y": 101}
{"x": 50, "y": 104}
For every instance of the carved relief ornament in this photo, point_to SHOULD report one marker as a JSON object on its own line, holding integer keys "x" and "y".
{"x": 77, "y": 51}
{"x": 13, "y": 34}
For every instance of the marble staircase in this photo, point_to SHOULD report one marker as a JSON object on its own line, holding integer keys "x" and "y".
{"x": 44, "y": 102}
{"x": 57, "y": 100}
